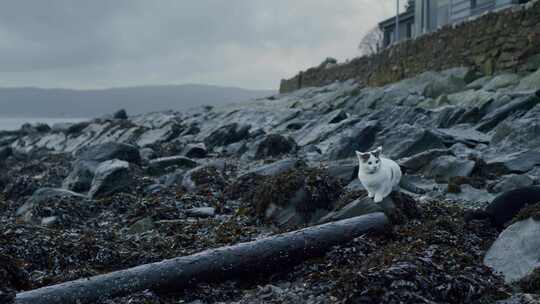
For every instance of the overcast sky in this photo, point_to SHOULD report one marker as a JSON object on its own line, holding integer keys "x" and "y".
{"x": 111, "y": 43}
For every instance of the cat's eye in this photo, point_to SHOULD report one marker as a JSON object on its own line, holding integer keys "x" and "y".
{"x": 370, "y": 163}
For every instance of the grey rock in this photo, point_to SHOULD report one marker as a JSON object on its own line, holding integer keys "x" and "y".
{"x": 5, "y": 152}
{"x": 521, "y": 298}
{"x": 516, "y": 252}
{"x": 519, "y": 162}
{"x": 345, "y": 170}
{"x": 355, "y": 185}
{"x": 479, "y": 83}
{"x": 195, "y": 150}
{"x": 275, "y": 145}
{"x": 147, "y": 153}
{"x": 420, "y": 160}
{"x": 81, "y": 176}
{"x": 227, "y": 134}
{"x": 359, "y": 207}
{"x": 511, "y": 182}
{"x": 174, "y": 178}
{"x": 201, "y": 212}
{"x": 43, "y": 195}
{"x": 164, "y": 164}
{"x": 448, "y": 166}
{"x": 110, "y": 177}
{"x": 360, "y": 137}
{"x": 408, "y": 140}
{"x": 275, "y": 168}
{"x": 491, "y": 120}
{"x": 120, "y": 114}
{"x": 110, "y": 150}
{"x": 501, "y": 81}
{"x": 49, "y": 221}
{"x": 159, "y": 135}
{"x": 531, "y": 82}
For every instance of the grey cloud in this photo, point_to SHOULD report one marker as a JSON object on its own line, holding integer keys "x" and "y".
{"x": 247, "y": 43}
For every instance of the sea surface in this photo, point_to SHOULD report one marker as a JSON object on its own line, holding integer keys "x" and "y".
{"x": 16, "y": 123}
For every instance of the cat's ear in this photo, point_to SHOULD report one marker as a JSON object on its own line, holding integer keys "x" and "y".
{"x": 377, "y": 152}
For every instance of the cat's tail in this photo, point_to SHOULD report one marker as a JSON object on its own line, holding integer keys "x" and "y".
{"x": 407, "y": 185}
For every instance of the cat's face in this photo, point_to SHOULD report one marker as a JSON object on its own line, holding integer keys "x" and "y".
{"x": 369, "y": 162}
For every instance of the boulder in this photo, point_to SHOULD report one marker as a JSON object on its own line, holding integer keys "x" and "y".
{"x": 5, "y": 152}
{"x": 275, "y": 168}
{"x": 111, "y": 177}
{"x": 511, "y": 182}
{"x": 81, "y": 176}
{"x": 345, "y": 170}
{"x": 360, "y": 137}
{"x": 164, "y": 164}
{"x": 34, "y": 209}
{"x": 120, "y": 114}
{"x": 206, "y": 175}
{"x": 227, "y": 134}
{"x": 174, "y": 178}
{"x": 201, "y": 212}
{"x": 491, "y": 120}
{"x": 195, "y": 150}
{"x": 407, "y": 140}
{"x": 516, "y": 252}
{"x": 501, "y": 81}
{"x": 420, "y": 160}
{"x": 444, "y": 167}
{"x": 359, "y": 207}
{"x": 159, "y": 135}
{"x": 531, "y": 82}
{"x": 142, "y": 225}
{"x": 519, "y": 162}
{"x": 108, "y": 151}
{"x": 147, "y": 153}
{"x": 275, "y": 145}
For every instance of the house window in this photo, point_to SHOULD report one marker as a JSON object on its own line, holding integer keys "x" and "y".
{"x": 480, "y": 3}
{"x": 409, "y": 30}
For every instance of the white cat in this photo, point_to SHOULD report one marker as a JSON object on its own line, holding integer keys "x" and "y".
{"x": 379, "y": 175}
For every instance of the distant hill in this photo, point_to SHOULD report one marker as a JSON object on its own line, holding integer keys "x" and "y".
{"x": 37, "y": 102}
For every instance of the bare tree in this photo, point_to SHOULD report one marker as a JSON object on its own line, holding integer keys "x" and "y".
{"x": 372, "y": 42}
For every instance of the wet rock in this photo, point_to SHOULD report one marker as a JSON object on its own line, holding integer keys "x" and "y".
{"x": 174, "y": 178}
{"x": 36, "y": 206}
{"x": 511, "y": 182}
{"x": 195, "y": 150}
{"x": 111, "y": 177}
{"x": 296, "y": 196}
{"x": 531, "y": 82}
{"x": 81, "y": 176}
{"x": 521, "y": 298}
{"x": 110, "y": 150}
{"x": 5, "y": 152}
{"x": 206, "y": 175}
{"x": 501, "y": 81}
{"x": 201, "y": 212}
{"x": 360, "y": 137}
{"x": 159, "y": 135}
{"x": 227, "y": 134}
{"x": 275, "y": 145}
{"x": 420, "y": 160}
{"x": 445, "y": 167}
{"x": 519, "y": 162}
{"x": 491, "y": 120}
{"x": 344, "y": 170}
{"x": 359, "y": 207}
{"x": 407, "y": 140}
{"x": 167, "y": 164}
{"x": 147, "y": 153}
{"x": 516, "y": 252}
{"x": 120, "y": 114}
{"x": 276, "y": 167}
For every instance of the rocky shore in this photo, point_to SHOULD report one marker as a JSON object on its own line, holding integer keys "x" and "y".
{"x": 89, "y": 198}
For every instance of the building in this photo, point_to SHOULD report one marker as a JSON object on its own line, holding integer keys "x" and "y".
{"x": 429, "y": 15}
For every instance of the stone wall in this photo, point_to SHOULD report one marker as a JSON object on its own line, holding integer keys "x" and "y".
{"x": 507, "y": 40}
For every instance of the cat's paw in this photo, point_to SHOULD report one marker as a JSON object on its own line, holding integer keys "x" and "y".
{"x": 370, "y": 195}
{"x": 378, "y": 199}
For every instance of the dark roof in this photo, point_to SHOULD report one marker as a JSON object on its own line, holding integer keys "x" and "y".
{"x": 403, "y": 17}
